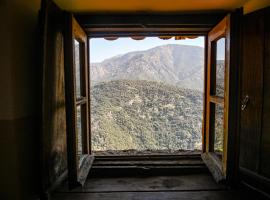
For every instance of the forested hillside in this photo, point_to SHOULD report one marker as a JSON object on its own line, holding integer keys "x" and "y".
{"x": 128, "y": 114}
{"x": 152, "y": 100}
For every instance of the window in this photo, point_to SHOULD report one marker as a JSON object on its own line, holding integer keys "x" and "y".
{"x": 147, "y": 97}
{"x": 216, "y": 123}
{"x": 77, "y": 101}
{"x": 81, "y": 100}
{"x": 217, "y": 96}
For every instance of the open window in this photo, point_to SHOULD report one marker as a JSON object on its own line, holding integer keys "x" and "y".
{"x": 146, "y": 95}
{"x": 216, "y": 120}
{"x": 82, "y": 97}
{"x": 77, "y": 99}
{"x": 216, "y": 132}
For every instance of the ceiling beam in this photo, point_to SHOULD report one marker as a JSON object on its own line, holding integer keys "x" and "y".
{"x": 97, "y": 25}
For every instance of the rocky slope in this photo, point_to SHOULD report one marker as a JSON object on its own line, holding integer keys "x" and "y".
{"x": 179, "y": 65}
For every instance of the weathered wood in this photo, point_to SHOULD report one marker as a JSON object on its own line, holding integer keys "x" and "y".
{"x": 165, "y": 156}
{"x": 255, "y": 137}
{"x": 222, "y": 29}
{"x": 205, "y": 96}
{"x": 70, "y": 103}
{"x": 192, "y": 182}
{"x": 214, "y": 166}
{"x": 186, "y": 195}
{"x": 219, "y": 30}
{"x": 53, "y": 128}
{"x": 150, "y": 170}
{"x": 149, "y": 162}
{"x": 146, "y": 32}
{"x": 112, "y": 166}
{"x": 84, "y": 168}
{"x": 100, "y": 25}
{"x": 216, "y": 100}
{"x": 254, "y": 179}
{"x": 79, "y": 35}
{"x": 265, "y": 140}
{"x": 252, "y": 83}
{"x": 150, "y": 19}
{"x": 73, "y": 31}
{"x": 234, "y": 106}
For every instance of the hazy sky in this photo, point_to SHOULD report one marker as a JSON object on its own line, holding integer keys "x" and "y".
{"x": 101, "y": 49}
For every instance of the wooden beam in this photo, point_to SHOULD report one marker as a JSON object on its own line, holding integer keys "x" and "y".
{"x": 216, "y": 100}
{"x": 149, "y": 20}
{"x": 98, "y": 25}
{"x": 196, "y": 155}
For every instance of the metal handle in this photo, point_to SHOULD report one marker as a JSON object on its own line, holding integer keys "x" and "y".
{"x": 245, "y": 102}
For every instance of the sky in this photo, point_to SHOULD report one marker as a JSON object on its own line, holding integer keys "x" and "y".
{"x": 101, "y": 49}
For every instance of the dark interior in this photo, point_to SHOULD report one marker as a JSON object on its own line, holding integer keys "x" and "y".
{"x": 37, "y": 116}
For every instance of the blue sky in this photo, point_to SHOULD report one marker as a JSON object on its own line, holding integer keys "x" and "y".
{"x": 101, "y": 49}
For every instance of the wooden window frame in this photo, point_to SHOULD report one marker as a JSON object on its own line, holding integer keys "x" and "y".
{"x": 77, "y": 170}
{"x": 217, "y": 166}
{"x": 149, "y": 25}
{"x": 108, "y": 26}
{"x": 129, "y": 32}
{"x": 83, "y": 100}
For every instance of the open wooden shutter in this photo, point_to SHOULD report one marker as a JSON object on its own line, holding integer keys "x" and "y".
{"x": 221, "y": 124}
{"x": 53, "y": 160}
{"x": 216, "y": 101}
{"x": 254, "y": 162}
{"x": 77, "y": 101}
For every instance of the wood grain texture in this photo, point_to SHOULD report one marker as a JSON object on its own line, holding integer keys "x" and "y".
{"x": 222, "y": 29}
{"x": 54, "y": 159}
{"x": 192, "y": 182}
{"x": 255, "y": 136}
{"x": 73, "y": 31}
{"x": 265, "y": 140}
{"x": 70, "y": 102}
{"x": 252, "y": 85}
{"x": 216, "y": 100}
{"x": 100, "y": 25}
{"x": 85, "y": 166}
{"x": 214, "y": 166}
{"x": 196, "y": 195}
{"x": 149, "y": 162}
{"x": 234, "y": 89}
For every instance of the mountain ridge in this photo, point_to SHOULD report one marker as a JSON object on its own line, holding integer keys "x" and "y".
{"x": 173, "y": 64}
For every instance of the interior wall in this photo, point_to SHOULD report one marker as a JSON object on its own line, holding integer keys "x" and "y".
{"x": 18, "y": 101}
{"x": 253, "y": 5}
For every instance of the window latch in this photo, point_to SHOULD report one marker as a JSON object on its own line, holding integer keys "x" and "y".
{"x": 244, "y": 103}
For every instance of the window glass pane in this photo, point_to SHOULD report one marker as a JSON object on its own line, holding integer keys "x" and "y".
{"x": 79, "y": 131}
{"x": 218, "y": 133}
{"x": 220, "y": 67}
{"x": 77, "y": 68}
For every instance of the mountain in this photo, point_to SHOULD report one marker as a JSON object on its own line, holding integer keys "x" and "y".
{"x": 152, "y": 100}
{"x": 179, "y": 65}
{"x": 145, "y": 115}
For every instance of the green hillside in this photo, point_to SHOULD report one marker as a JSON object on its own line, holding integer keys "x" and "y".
{"x": 145, "y": 115}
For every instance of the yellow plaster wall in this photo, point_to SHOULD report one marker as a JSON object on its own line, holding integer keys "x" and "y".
{"x": 253, "y": 5}
{"x": 18, "y": 98}
{"x": 148, "y": 5}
